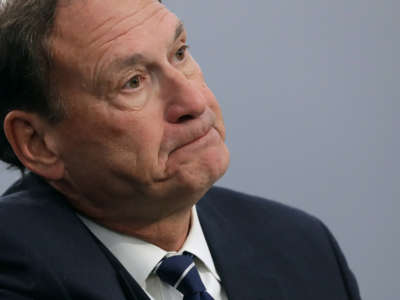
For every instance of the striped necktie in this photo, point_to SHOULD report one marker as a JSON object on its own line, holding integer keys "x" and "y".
{"x": 180, "y": 272}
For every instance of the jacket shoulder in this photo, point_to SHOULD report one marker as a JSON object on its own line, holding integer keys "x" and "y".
{"x": 48, "y": 252}
{"x": 294, "y": 245}
{"x": 257, "y": 209}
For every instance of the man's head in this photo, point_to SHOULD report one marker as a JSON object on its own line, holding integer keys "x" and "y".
{"x": 138, "y": 123}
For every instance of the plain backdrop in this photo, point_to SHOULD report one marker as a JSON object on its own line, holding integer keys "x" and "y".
{"x": 310, "y": 94}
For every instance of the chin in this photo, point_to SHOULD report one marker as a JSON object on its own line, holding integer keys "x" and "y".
{"x": 199, "y": 174}
{"x": 191, "y": 176}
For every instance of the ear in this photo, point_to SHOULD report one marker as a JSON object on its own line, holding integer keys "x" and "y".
{"x": 29, "y": 137}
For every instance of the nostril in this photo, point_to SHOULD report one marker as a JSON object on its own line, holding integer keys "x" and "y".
{"x": 185, "y": 118}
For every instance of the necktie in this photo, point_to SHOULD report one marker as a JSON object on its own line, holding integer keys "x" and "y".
{"x": 181, "y": 272}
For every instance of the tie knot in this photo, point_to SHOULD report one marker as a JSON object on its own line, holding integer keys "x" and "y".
{"x": 180, "y": 272}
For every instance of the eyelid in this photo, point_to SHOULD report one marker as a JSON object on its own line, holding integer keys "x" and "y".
{"x": 185, "y": 47}
{"x": 124, "y": 86}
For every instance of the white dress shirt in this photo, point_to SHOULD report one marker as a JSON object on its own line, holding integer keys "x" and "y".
{"x": 140, "y": 258}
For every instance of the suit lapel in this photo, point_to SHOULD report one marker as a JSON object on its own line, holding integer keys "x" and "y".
{"x": 131, "y": 288}
{"x": 85, "y": 265}
{"x": 243, "y": 269}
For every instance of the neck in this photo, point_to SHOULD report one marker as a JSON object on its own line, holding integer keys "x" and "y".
{"x": 163, "y": 225}
{"x": 169, "y": 233}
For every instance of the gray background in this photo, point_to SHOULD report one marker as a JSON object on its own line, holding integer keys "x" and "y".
{"x": 310, "y": 95}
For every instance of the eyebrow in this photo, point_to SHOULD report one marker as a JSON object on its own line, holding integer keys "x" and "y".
{"x": 124, "y": 62}
{"x": 179, "y": 30}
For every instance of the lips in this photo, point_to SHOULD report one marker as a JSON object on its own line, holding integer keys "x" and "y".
{"x": 193, "y": 141}
{"x": 192, "y": 131}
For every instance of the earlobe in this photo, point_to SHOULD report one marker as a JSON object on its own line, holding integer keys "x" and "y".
{"x": 26, "y": 132}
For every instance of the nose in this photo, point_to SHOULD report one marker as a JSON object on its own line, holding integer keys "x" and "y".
{"x": 184, "y": 97}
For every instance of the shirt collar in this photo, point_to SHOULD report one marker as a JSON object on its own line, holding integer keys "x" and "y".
{"x": 196, "y": 244}
{"x": 139, "y": 257}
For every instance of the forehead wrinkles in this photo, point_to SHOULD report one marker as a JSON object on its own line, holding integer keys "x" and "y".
{"x": 85, "y": 31}
{"x": 86, "y": 22}
{"x": 119, "y": 25}
{"x": 101, "y": 66}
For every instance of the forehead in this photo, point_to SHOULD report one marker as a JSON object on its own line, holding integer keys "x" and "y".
{"x": 95, "y": 24}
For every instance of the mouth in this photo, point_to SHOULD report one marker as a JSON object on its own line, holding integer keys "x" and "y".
{"x": 198, "y": 141}
{"x": 191, "y": 135}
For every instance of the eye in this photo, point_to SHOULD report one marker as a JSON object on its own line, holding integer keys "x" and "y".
{"x": 181, "y": 53}
{"x": 134, "y": 83}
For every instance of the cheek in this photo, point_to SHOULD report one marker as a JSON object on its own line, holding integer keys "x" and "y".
{"x": 112, "y": 134}
{"x": 214, "y": 106}
{"x": 142, "y": 135}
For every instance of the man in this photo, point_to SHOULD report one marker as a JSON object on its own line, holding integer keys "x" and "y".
{"x": 103, "y": 104}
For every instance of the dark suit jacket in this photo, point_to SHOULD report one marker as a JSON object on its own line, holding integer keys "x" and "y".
{"x": 261, "y": 249}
